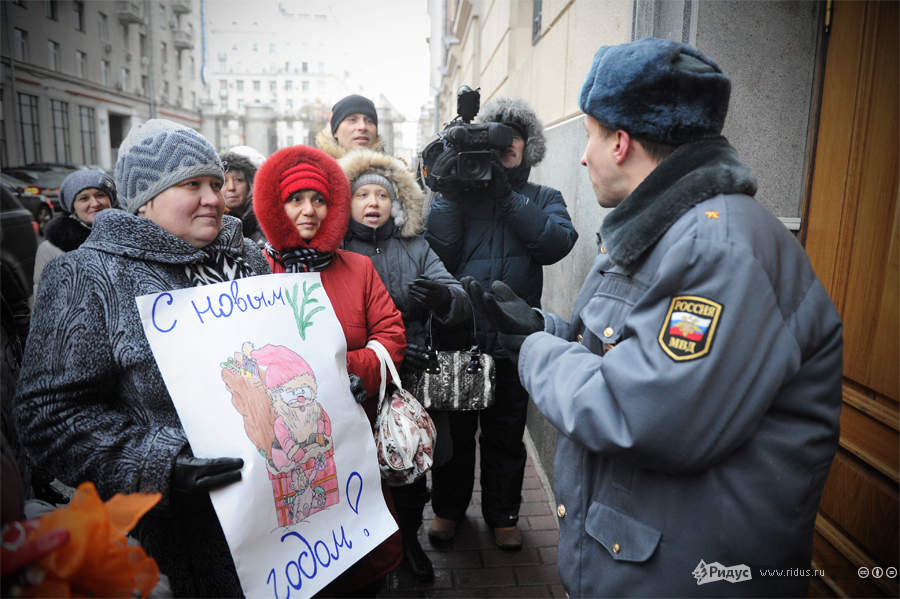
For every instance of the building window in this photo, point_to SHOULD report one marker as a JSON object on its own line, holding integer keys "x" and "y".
{"x": 240, "y": 104}
{"x": 287, "y": 66}
{"x": 322, "y": 67}
{"x": 273, "y": 86}
{"x": 145, "y": 85}
{"x": 52, "y": 9}
{"x": 104, "y": 72}
{"x": 59, "y": 113}
{"x": 180, "y": 96}
{"x": 304, "y": 67}
{"x": 536, "y": 22}
{"x": 164, "y": 52}
{"x": 166, "y": 90}
{"x": 255, "y": 47}
{"x": 194, "y": 100}
{"x": 30, "y": 133}
{"x": 20, "y": 44}
{"x": 191, "y": 62}
{"x": 305, "y": 86}
{"x": 104, "y": 27}
{"x": 288, "y": 84}
{"x": 223, "y": 105}
{"x": 88, "y": 134}
{"x": 290, "y": 140}
{"x": 125, "y": 79}
{"x": 256, "y": 86}
{"x": 240, "y": 85}
{"x": 290, "y": 104}
{"x": 162, "y": 15}
{"x": 126, "y": 39}
{"x": 52, "y": 55}
{"x": 142, "y": 43}
{"x": 78, "y": 15}
{"x": 271, "y": 48}
{"x": 81, "y": 64}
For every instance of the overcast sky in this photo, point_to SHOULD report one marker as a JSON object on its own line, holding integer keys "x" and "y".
{"x": 389, "y": 38}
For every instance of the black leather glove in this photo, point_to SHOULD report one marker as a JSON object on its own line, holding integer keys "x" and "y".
{"x": 498, "y": 188}
{"x": 418, "y": 356}
{"x": 195, "y": 475}
{"x": 432, "y": 295}
{"x": 506, "y": 310}
{"x": 357, "y": 389}
{"x": 442, "y": 175}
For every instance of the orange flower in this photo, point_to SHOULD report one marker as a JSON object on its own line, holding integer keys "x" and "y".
{"x": 97, "y": 560}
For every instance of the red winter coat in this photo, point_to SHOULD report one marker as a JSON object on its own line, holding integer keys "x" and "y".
{"x": 362, "y": 305}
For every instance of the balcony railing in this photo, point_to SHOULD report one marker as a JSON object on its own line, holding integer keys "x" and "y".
{"x": 181, "y": 6}
{"x": 183, "y": 40}
{"x": 129, "y": 11}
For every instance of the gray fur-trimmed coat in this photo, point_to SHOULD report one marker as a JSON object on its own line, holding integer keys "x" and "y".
{"x": 91, "y": 403}
{"x": 397, "y": 249}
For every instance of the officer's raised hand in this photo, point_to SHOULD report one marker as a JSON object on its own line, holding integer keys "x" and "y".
{"x": 196, "y": 475}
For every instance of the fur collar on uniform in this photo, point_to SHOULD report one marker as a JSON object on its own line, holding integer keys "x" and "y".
{"x": 274, "y": 221}
{"x": 694, "y": 172}
{"x": 66, "y": 232}
{"x": 124, "y": 234}
{"x": 326, "y": 142}
{"x": 407, "y": 210}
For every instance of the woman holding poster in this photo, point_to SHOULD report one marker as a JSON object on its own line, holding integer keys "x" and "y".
{"x": 92, "y": 404}
{"x": 302, "y": 202}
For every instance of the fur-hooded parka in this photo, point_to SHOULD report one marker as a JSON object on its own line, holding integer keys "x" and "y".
{"x": 326, "y": 142}
{"x": 274, "y": 221}
{"x": 407, "y": 210}
{"x": 515, "y": 110}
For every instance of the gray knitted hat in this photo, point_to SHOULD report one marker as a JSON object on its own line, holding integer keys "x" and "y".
{"x": 158, "y": 154}
{"x": 375, "y": 178}
{"x": 84, "y": 179}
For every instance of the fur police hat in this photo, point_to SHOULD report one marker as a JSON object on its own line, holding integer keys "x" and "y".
{"x": 656, "y": 89}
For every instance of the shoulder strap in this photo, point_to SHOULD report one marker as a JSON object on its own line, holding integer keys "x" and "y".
{"x": 384, "y": 357}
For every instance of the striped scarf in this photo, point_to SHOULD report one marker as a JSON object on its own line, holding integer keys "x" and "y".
{"x": 301, "y": 259}
{"x": 217, "y": 266}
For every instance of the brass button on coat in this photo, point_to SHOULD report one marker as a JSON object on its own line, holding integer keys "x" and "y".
{"x": 616, "y": 548}
{"x": 580, "y": 338}
{"x": 602, "y": 249}
{"x": 561, "y": 510}
{"x": 608, "y": 332}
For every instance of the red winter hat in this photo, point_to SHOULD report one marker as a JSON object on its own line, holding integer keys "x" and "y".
{"x": 304, "y": 176}
{"x": 293, "y": 169}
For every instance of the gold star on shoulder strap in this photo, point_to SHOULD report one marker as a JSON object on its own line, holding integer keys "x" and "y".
{"x": 712, "y": 214}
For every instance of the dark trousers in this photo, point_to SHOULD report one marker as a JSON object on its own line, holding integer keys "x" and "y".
{"x": 502, "y": 456}
{"x": 410, "y": 500}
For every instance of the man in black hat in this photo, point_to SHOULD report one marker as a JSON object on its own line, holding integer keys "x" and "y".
{"x": 697, "y": 389}
{"x": 353, "y": 124}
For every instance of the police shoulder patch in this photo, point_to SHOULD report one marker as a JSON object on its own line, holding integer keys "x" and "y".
{"x": 690, "y": 325}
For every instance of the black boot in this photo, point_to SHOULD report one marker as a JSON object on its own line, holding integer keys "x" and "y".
{"x": 416, "y": 558}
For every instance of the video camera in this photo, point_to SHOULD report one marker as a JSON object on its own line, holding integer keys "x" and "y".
{"x": 476, "y": 145}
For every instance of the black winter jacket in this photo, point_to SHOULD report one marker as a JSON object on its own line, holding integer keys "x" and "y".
{"x": 502, "y": 241}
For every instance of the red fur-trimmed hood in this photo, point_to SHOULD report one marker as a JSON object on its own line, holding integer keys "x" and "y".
{"x": 269, "y": 208}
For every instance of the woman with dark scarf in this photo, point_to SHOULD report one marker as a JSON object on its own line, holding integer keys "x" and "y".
{"x": 302, "y": 202}
{"x": 82, "y": 195}
{"x": 91, "y": 401}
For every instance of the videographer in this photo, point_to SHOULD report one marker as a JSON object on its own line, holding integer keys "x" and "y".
{"x": 505, "y": 229}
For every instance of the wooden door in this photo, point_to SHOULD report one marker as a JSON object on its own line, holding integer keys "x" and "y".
{"x": 853, "y": 239}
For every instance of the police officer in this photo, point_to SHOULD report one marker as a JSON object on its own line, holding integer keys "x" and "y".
{"x": 697, "y": 389}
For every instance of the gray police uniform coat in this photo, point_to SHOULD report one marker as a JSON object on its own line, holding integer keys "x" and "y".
{"x": 697, "y": 391}
{"x": 92, "y": 404}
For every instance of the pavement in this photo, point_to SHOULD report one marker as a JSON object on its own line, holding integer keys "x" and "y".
{"x": 471, "y": 565}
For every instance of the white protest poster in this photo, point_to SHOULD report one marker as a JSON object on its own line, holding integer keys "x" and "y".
{"x": 257, "y": 369}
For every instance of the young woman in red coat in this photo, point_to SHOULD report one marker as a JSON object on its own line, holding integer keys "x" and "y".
{"x": 302, "y": 202}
